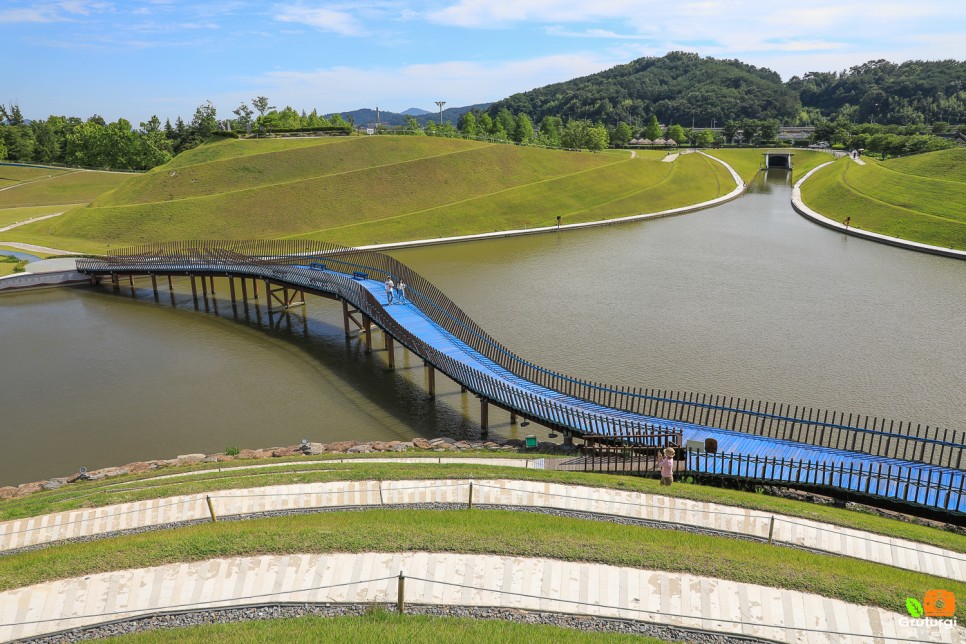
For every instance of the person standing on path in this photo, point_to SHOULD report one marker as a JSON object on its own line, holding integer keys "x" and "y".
{"x": 401, "y": 291}
{"x": 389, "y": 288}
{"x": 667, "y": 466}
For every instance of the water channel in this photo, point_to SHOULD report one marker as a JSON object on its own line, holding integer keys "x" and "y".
{"x": 747, "y": 299}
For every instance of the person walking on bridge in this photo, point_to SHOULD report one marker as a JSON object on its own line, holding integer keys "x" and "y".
{"x": 389, "y": 288}
{"x": 401, "y": 291}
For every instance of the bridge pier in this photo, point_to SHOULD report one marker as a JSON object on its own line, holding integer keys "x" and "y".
{"x": 154, "y": 286}
{"x": 513, "y": 418}
{"x": 231, "y": 288}
{"x": 431, "y": 379}
{"x": 392, "y": 352}
{"x": 484, "y": 417}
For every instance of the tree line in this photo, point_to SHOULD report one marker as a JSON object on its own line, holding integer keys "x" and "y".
{"x": 95, "y": 143}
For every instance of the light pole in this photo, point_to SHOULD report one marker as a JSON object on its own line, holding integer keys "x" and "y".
{"x": 440, "y": 105}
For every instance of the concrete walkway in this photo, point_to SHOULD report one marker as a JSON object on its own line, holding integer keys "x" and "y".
{"x": 459, "y": 580}
{"x": 815, "y": 535}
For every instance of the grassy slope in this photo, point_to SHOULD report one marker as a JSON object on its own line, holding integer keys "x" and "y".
{"x": 379, "y": 626}
{"x": 64, "y": 188}
{"x": 13, "y": 215}
{"x": 486, "y": 532}
{"x": 209, "y": 479}
{"x": 362, "y": 189}
{"x": 884, "y": 198}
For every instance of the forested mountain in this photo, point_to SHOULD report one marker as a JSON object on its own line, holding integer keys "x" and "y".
{"x": 689, "y": 90}
{"x": 678, "y": 88}
{"x": 912, "y": 93}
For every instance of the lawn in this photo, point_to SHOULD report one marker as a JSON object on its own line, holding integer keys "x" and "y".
{"x": 80, "y": 186}
{"x": 882, "y": 198}
{"x": 380, "y": 625}
{"x": 10, "y": 216}
{"x": 207, "y": 479}
{"x": 361, "y": 190}
{"x": 499, "y": 532}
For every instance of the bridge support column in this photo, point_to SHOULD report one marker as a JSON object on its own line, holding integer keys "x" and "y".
{"x": 431, "y": 379}
{"x": 154, "y": 286}
{"x": 391, "y": 351}
{"x": 345, "y": 318}
{"x": 268, "y": 295}
{"x": 194, "y": 289}
{"x": 244, "y": 284}
{"x": 170, "y": 284}
{"x": 130, "y": 279}
{"x": 231, "y": 288}
{"x": 211, "y": 280}
{"x": 367, "y": 325}
{"x": 568, "y": 439}
{"x": 513, "y": 418}
{"x": 255, "y": 288}
{"x": 115, "y": 282}
{"x": 484, "y": 417}
{"x": 204, "y": 287}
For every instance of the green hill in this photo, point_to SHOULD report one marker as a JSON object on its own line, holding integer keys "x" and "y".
{"x": 921, "y": 198}
{"x": 677, "y": 88}
{"x": 359, "y": 190}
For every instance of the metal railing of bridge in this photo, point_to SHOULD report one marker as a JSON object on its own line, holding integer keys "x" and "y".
{"x": 532, "y": 405}
{"x": 832, "y": 429}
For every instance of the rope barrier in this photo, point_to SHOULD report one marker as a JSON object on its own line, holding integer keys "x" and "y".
{"x": 233, "y": 603}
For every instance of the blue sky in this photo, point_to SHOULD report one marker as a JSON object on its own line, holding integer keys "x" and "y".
{"x": 165, "y": 57}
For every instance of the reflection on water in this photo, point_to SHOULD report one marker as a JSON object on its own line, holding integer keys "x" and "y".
{"x": 747, "y": 299}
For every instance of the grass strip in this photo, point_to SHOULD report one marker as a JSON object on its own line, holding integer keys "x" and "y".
{"x": 496, "y": 532}
{"x": 141, "y": 487}
{"x": 380, "y": 626}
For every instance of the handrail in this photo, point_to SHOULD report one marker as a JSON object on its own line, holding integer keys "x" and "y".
{"x": 753, "y": 417}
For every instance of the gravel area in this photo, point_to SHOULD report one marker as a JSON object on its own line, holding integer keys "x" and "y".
{"x": 592, "y": 516}
{"x": 182, "y": 619}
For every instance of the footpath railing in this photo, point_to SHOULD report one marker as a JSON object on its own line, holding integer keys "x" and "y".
{"x": 833, "y": 429}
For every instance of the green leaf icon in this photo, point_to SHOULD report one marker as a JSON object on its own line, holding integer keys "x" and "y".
{"x": 914, "y": 607}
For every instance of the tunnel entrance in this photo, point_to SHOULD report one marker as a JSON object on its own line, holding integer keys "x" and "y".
{"x": 778, "y": 160}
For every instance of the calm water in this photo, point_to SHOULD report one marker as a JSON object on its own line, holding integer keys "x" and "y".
{"x": 747, "y": 299}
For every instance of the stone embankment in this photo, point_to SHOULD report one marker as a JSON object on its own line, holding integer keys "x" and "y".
{"x": 306, "y": 449}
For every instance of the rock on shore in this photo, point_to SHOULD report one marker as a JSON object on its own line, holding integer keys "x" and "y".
{"x": 307, "y": 449}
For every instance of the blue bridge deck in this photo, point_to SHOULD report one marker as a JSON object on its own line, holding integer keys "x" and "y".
{"x": 429, "y": 326}
{"x": 930, "y": 477}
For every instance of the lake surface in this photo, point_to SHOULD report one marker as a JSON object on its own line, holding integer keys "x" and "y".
{"x": 747, "y": 299}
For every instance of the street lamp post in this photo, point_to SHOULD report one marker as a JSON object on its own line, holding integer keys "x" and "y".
{"x": 440, "y": 105}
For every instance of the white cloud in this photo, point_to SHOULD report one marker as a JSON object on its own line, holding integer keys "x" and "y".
{"x": 457, "y": 82}
{"x": 340, "y": 22}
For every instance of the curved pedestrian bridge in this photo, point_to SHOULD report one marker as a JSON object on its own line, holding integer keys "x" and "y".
{"x": 749, "y": 440}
